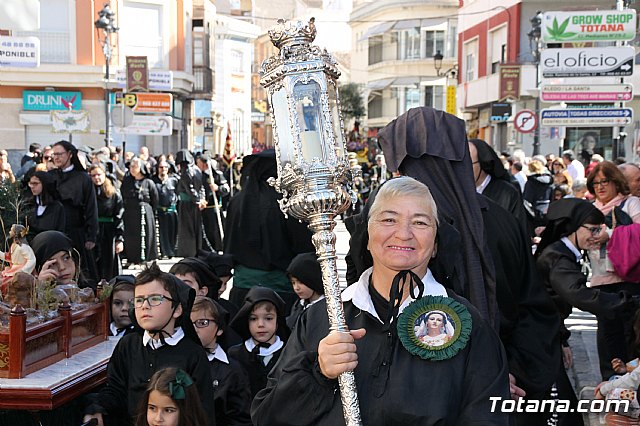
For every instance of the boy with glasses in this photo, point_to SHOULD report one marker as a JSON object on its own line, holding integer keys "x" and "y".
{"x": 162, "y": 305}
{"x": 230, "y": 380}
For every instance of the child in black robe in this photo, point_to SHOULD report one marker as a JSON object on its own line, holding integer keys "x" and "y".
{"x": 306, "y": 278}
{"x": 119, "y": 300}
{"x": 230, "y": 381}
{"x": 261, "y": 321}
{"x": 162, "y": 305}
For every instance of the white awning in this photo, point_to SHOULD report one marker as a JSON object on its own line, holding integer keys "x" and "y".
{"x": 380, "y": 84}
{"x": 406, "y": 81}
{"x": 434, "y": 24}
{"x": 377, "y": 29}
{"x": 407, "y": 23}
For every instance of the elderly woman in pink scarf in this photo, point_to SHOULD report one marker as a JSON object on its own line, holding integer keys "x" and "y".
{"x": 611, "y": 190}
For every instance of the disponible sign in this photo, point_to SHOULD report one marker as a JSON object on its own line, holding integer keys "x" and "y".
{"x": 586, "y": 92}
{"x": 591, "y": 25}
{"x": 588, "y": 62}
{"x": 34, "y": 100}
{"x": 587, "y": 117}
{"x": 23, "y": 52}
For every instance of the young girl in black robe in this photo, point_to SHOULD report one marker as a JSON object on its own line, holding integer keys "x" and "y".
{"x": 110, "y": 225}
{"x": 46, "y": 212}
{"x": 261, "y": 321}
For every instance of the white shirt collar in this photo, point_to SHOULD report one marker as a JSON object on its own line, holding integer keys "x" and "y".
{"x": 567, "y": 242}
{"x": 358, "y": 293}
{"x": 114, "y": 330}
{"x": 173, "y": 340}
{"x": 68, "y": 169}
{"x": 218, "y": 354}
{"x": 480, "y": 188}
{"x": 305, "y": 304}
{"x": 275, "y": 347}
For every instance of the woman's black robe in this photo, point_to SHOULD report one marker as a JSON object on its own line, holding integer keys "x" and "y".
{"x": 110, "y": 231}
{"x": 394, "y": 387}
{"x": 140, "y": 198}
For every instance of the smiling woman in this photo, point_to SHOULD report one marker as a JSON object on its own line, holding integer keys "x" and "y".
{"x": 383, "y": 310}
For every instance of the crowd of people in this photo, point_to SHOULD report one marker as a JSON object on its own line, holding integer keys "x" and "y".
{"x": 463, "y": 265}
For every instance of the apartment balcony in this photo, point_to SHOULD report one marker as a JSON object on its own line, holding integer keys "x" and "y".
{"x": 486, "y": 90}
{"x": 203, "y": 85}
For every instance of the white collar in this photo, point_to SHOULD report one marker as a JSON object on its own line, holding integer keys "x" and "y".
{"x": 305, "y": 304}
{"x": 68, "y": 169}
{"x": 173, "y": 340}
{"x": 114, "y": 330}
{"x": 358, "y": 293}
{"x": 480, "y": 188}
{"x": 275, "y": 347}
{"x": 567, "y": 242}
{"x": 218, "y": 354}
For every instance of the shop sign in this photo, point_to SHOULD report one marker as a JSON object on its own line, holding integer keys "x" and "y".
{"x": 158, "y": 80}
{"x": 36, "y": 100}
{"x": 151, "y": 125}
{"x": 137, "y": 74}
{"x": 590, "y": 25}
{"x": 587, "y": 117}
{"x": 147, "y": 102}
{"x": 586, "y": 92}
{"x": 500, "y": 112}
{"x": 588, "y": 62}
{"x": 23, "y": 52}
{"x": 509, "y": 82}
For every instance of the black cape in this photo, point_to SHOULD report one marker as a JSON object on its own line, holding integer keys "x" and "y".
{"x": 231, "y": 393}
{"x": 431, "y": 146}
{"x": 394, "y": 386}
{"x": 257, "y": 234}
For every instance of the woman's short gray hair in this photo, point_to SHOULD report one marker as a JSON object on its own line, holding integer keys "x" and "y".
{"x": 403, "y": 186}
{"x": 579, "y": 185}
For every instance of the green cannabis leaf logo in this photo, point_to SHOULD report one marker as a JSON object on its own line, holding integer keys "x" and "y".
{"x": 558, "y": 31}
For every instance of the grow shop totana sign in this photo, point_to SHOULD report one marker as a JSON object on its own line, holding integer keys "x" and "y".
{"x": 592, "y": 25}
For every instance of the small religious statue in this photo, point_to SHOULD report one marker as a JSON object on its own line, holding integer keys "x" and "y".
{"x": 21, "y": 257}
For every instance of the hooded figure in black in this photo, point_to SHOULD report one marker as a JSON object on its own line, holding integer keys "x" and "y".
{"x": 46, "y": 212}
{"x": 78, "y": 197}
{"x": 559, "y": 261}
{"x": 492, "y": 180}
{"x": 306, "y": 269}
{"x": 209, "y": 285}
{"x": 216, "y": 188}
{"x": 191, "y": 197}
{"x": 262, "y": 241}
{"x": 259, "y": 356}
{"x": 120, "y": 283}
{"x": 48, "y": 243}
{"x": 140, "y": 197}
{"x": 166, "y": 211}
{"x": 137, "y": 356}
{"x": 431, "y": 146}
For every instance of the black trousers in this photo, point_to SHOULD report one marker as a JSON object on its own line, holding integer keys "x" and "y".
{"x": 168, "y": 229}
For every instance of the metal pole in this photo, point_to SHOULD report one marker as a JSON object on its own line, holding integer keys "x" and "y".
{"x": 107, "y": 109}
{"x": 536, "y": 133}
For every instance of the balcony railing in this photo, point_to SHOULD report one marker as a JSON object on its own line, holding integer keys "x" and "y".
{"x": 204, "y": 80}
{"x": 54, "y": 46}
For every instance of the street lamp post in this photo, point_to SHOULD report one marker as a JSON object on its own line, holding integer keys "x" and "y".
{"x": 106, "y": 23}
{"x": 535, "y": 36}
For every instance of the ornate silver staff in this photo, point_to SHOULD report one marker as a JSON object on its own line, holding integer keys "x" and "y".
{"x": 313, "y": 172}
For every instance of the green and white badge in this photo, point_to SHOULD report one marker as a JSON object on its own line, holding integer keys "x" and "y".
{"x": 434, "y": 327}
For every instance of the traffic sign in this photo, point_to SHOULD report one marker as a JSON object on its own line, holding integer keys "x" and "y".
{"x": 121, "y": 115}
{"x": 586, "y": 92}
{"x": 588, "y": 62}
{"x": 587, "y": 117}
{"x": 588, "y": 25}
{"x": 525, "y": 121}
